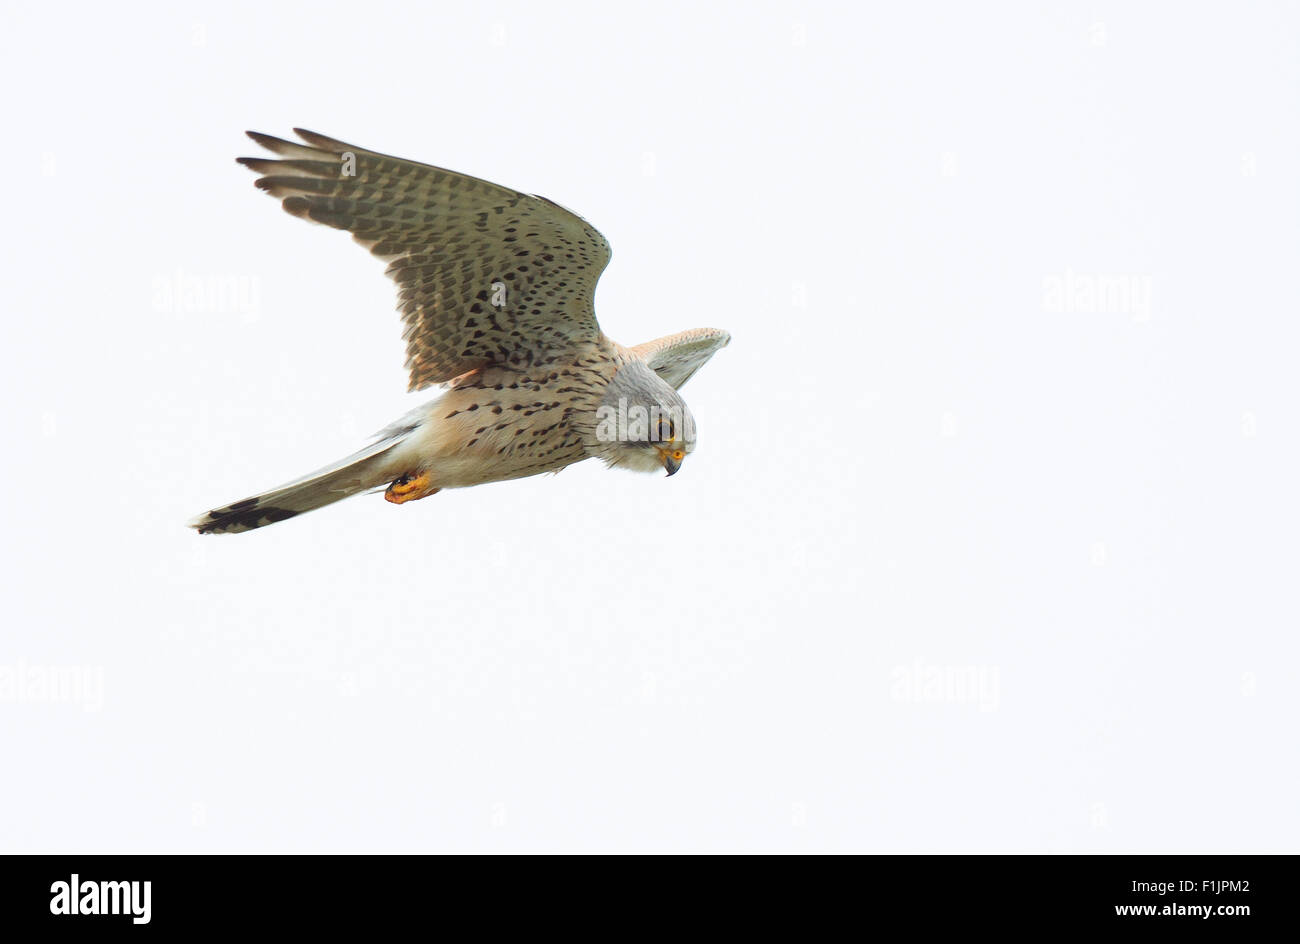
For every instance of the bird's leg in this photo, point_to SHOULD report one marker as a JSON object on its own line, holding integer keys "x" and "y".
{"x": 410, "y": 487}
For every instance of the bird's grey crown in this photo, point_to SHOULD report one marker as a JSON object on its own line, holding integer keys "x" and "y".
{"x": 635, "y": 384}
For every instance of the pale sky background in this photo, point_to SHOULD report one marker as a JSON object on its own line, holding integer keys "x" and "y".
{"x": 989, "y": 543}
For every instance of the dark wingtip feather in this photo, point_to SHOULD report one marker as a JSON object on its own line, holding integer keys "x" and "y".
{"x": 325, "y": 142}
{"x": 280, "y": 145}
{"x": 298, "y": 206}
{"x": 260, "y": 164}
{"x": 266, "y": 140}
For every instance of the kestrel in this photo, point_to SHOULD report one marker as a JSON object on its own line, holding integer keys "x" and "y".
{"x": 496, "y": 293}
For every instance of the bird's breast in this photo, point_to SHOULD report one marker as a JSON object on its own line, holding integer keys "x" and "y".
{"x": 502, "y": 424}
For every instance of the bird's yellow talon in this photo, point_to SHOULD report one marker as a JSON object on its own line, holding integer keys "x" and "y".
{"x": 410, "y": 488}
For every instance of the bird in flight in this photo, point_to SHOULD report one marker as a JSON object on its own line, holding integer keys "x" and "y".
{"x": 496, "y": 293}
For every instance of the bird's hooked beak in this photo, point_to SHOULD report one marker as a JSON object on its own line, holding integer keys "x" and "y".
{"x": 672, "y": 457}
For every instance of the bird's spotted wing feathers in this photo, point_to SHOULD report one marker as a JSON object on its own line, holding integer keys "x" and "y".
{"x": 485, "y": 274}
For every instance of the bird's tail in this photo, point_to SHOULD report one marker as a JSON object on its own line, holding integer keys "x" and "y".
{"x": 369, "y": 468}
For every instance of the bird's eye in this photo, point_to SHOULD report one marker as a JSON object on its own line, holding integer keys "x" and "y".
{"x": 665, "y": 431}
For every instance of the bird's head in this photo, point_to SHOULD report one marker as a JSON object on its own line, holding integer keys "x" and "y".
{"x": 642, "y": 423}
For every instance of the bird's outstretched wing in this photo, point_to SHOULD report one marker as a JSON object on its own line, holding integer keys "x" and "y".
{"x": 677, "y": 357}
{"x": 485, "y": 274}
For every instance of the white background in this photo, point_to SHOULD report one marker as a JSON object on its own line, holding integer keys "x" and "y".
{"x": 969, "y": 556}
